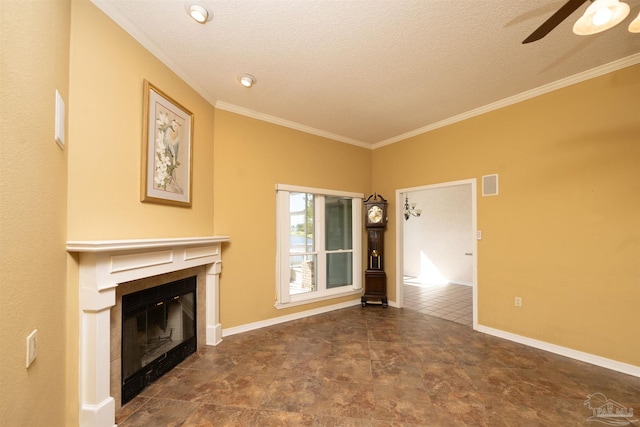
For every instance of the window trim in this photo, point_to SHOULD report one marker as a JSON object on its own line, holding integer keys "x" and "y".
{"x": 283, "y": 297}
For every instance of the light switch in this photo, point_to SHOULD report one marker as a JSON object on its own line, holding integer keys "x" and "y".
{"x": 59, "y": 120}
{"x": 479, "y": 235}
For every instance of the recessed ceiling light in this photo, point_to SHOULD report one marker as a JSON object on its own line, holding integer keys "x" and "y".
{"x": 247, "y": 80}
{"x": 198, "y": 12}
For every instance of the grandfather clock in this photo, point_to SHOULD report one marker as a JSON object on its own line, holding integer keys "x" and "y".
{"x": 375, "y": 280}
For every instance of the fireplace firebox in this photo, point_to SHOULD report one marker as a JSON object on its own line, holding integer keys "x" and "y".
{"x": 158, "y": 332}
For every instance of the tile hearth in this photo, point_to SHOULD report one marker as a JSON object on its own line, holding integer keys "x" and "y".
{"x": 375, "y": 367}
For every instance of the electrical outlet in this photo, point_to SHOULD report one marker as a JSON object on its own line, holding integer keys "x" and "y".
{"x": 518, "y": 302}
{"x": 32, "y": 347}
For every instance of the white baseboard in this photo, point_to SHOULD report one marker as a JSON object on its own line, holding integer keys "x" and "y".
{"x": 214, "y": 334}
{"x": 289, "y": 317}
{"x": 462, "y": 283}
{"x": 102, "y": 414}
{"x": 614, "y": 365}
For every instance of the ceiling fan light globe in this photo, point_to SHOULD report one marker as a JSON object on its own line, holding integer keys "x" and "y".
{"x": 602, "y": 16}
{"x": 634, "y": 27}
{"x": 595, "y": 19}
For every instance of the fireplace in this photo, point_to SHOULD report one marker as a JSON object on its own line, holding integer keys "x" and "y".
{"x": 110, "y": 269}
{"x": 158, "y": 332}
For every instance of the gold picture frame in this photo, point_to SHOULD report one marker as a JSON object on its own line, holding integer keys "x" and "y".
{"x": 167, "y": 147}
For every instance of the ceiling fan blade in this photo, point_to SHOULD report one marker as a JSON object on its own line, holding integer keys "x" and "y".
{"x": 555, "y": 20}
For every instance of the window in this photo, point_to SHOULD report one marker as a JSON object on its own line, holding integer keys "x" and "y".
{"x": 318, "y": 244}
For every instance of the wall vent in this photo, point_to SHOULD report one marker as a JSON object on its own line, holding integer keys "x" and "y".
{"x": 490, "y": 185}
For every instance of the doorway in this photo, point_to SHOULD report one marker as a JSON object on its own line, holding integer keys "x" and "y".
{"x": 437, "y": 250}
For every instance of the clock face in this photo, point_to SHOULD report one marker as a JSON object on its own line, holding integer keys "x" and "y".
{"x": 375, "y": 214}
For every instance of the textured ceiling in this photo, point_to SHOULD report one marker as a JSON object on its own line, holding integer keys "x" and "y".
{"x": 368, "y": 72}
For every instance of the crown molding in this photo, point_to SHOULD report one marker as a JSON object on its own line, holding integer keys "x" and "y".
{"x": 147, "y": 43}
{"x": 125, "y": 23}
{"x": 289, "y": 124}
{"x": 553, "y": 86}
{"x": 559, "y": 84}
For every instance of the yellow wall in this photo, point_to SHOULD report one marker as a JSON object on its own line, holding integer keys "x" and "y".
{"x": 251, "y": 157}
{"x": 106, "y": 87}
{"x": 107, "y": 70}
{"x": 33, "y": 178}
{"x": 564, "y": 232}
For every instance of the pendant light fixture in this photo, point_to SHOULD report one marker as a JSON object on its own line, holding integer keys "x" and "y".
{"x": 600, "y": 16}
{"x": 410, "y": 209}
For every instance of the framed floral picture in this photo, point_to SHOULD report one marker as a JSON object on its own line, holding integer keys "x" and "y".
{"x": 167, "y": 144}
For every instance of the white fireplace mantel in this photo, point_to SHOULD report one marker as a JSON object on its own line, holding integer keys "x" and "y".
{"x": 106, "y": 263}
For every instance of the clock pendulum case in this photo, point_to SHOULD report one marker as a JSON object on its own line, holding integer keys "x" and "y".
{"x": 375, "y": 279}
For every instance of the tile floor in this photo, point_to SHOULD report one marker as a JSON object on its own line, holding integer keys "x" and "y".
{"x": 450, "y": 302}
{"x": 376, "y": 367}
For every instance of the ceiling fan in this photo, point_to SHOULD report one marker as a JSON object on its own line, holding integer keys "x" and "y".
{"x": 615, "y": 11}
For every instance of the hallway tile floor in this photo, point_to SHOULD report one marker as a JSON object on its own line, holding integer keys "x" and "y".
{"x": 450, "y": 302}
{"x": 376, "y": 366}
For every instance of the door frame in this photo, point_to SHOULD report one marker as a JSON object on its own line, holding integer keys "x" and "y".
{"x": 400, "y": 194}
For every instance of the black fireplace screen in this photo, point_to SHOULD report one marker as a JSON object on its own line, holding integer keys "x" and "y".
{"x": 158, "y": 332}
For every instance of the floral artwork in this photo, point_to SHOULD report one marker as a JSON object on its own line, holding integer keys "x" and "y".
{"x": 167, "y": 143}
{"x": 168, "y": 132}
